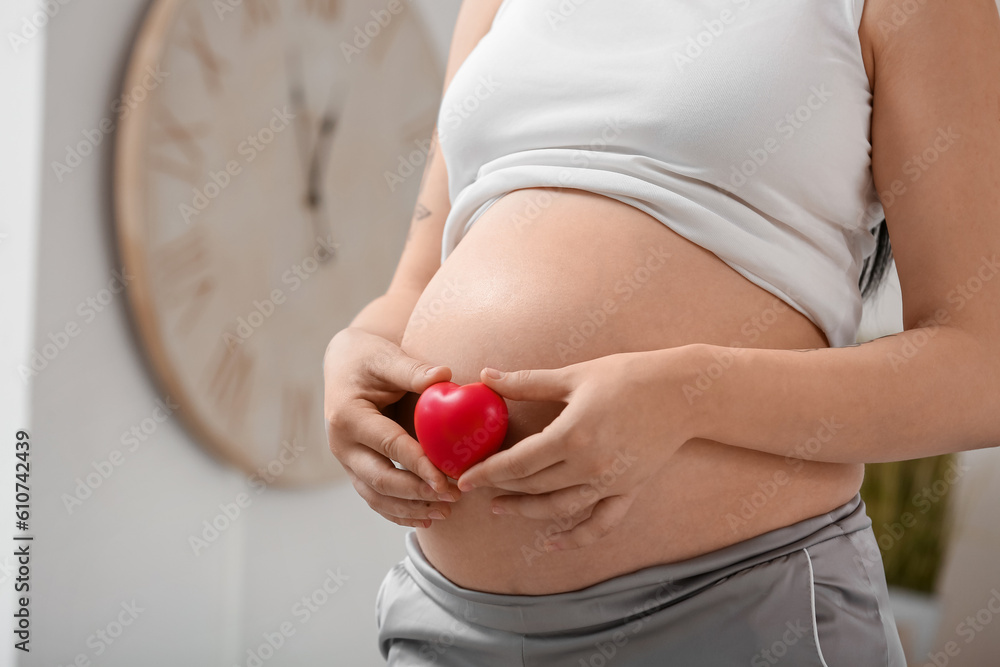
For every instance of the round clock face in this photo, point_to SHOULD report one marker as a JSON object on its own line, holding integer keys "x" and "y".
{"x": 267, "y": 164}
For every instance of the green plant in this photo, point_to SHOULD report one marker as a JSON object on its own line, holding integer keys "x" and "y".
{"x": 907, "y": 502}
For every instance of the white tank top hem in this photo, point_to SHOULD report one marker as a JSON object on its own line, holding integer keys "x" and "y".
{"x": 743, "y": 125}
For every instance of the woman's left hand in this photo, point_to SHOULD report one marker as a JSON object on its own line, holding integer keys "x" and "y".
{"x": 625, "y": 416}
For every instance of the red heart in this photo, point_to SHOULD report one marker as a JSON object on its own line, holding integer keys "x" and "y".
{"x": 459, "y": 426}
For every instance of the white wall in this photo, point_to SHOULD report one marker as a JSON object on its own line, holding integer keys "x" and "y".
{"x": 969, "y": 585}
{"x": 21, "y": 76}
{"x": 128, "y": 542}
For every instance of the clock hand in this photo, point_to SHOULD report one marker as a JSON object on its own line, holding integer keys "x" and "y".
{"x": 297, "y": 100}
{"x": 317, "y": 168}
{"x": 311, "y": 160}
{"x": 314, "y": 191}
{"x": 320, "y": 157}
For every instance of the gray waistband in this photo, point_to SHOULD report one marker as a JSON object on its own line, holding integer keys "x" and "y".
{"x": 630, "y": 594}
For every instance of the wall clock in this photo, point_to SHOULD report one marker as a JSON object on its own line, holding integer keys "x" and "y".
{"x": 263, "y": 189}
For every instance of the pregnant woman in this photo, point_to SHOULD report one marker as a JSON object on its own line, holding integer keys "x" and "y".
{"x": 649, "y": 225}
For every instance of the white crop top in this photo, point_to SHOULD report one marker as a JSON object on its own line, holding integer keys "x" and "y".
{"x": 743, "y": 125}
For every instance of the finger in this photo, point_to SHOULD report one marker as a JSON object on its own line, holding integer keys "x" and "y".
{"x": 556, "y": 505}
{"x": 556, "y": 477}
{"x": 402, "y": 372}
{"x": 606, "y": 515}
{"x": 418, "y": 510}
{"x": 379, "y": 473}
{"x": 546, "y": 384}
{"x": 527, "y": 457}
{"x": 388, "y": 438}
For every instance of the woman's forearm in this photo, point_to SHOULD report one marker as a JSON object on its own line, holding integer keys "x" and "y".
{"x": 923, "y": 392}
{"x": 387, "y": 315}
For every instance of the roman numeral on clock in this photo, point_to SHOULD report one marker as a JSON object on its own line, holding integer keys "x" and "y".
{"x": 182, "y": 268}
{"x": 230, "y": 382}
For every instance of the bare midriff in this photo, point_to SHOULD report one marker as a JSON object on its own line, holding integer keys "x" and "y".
{"x": 526, "y": 288}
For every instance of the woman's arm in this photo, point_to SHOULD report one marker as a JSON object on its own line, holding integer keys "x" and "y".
{"x": 387, "y": 315}
{"x": 365, "y": 372}
{"x": 935, "y": 387}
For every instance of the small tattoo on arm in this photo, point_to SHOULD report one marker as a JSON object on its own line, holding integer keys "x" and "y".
{"x": 421, "y": 212}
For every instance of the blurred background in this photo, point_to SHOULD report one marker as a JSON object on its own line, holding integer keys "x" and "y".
{"x": 183, "y": 506}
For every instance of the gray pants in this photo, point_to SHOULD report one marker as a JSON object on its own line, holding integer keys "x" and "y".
{"x": 812, "y": 594}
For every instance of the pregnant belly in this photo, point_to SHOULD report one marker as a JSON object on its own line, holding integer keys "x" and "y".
{"x": 549, "y": 277}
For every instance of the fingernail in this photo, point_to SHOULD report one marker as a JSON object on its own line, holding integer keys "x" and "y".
{"x": 447, "y": 497}
{"x": 426, "y": 523}
{"x": 431, "y": 370}
{"x": 465, "y": 486}
{"x": 552, "y": 546}
{"x": 499, "y": 510}
{"x": 435, "y": 514}
{"x": 494, "y": 374}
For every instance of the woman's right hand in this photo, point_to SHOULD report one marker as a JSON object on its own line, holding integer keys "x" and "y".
{"x": 363, "y": 374}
